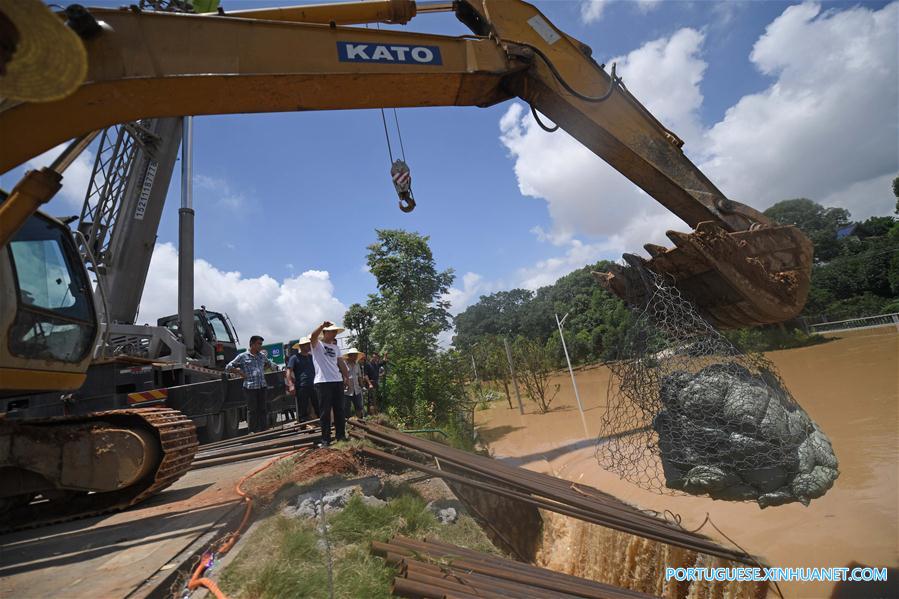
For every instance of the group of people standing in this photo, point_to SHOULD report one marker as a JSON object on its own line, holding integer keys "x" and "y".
{"x": 337, "y": 380}
{"x": 321, "y": 377}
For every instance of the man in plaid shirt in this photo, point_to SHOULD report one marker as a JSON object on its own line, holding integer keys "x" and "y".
{"x": 251, "y": 365}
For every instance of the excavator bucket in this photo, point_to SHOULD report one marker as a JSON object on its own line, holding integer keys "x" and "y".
{"x": 737, "y": 279}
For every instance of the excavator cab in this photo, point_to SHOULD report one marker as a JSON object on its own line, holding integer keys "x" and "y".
{"x": 46, "y": 310}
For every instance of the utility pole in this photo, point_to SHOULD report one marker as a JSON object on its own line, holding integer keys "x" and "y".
{"x": 577, "y": 395}
{"x": 186, "y": 239}
{"x": 514, "y": 379}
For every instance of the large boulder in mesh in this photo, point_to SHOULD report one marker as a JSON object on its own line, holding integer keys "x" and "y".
{"x": 688, "y": 411}
{"x": 728, "y": 434}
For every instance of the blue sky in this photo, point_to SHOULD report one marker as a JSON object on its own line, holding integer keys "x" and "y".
{"x": 283, "y": 199}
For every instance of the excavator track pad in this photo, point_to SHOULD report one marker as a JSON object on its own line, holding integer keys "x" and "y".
{"x": 737, "y": 279}
{"x": 105, "y": 462}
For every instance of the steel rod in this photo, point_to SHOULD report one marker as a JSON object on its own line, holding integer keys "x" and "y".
{"x": 564, "y": 497}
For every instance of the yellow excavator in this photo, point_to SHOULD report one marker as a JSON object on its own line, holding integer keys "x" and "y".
{"x": 122, "y": 65}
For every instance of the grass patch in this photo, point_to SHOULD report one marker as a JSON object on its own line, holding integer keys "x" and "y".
{"x": 406, "y": 514}
{"x": 287, "y": 557}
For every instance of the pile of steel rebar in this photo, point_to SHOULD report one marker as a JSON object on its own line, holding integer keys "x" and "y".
{"x": 431, "y": 569}
{"x": 540, "y": 490}
{"x": 283, "y": 439}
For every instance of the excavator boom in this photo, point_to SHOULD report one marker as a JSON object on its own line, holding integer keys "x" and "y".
{"x": 144, "y": 64}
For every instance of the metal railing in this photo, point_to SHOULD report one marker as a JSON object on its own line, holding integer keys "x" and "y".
{"x": 867, "y": 322}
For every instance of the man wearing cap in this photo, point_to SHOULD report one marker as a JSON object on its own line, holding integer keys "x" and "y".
{"x": 301, "y": 378}
{"x": 251, "y": 364}
{"x": 353, "y": 391}
{"x": 330, "y": 379}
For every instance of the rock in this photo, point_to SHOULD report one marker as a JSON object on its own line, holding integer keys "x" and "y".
{"x": 337, "y": 499}
{"x": 373, "y": 501}
{"x": 744, "y": 450}
{"x": 766, "y": 480}
{"x": 704, "y": 479}
{"x": 744, "y": 406}
{"x": 709, "y": 443}
{"x": 308, "y": 508}
{"x": 806, "y": 486}
{"x": 735, "y": 435}
{"x": 704, "y": 395}
{"x": 778, "y": 497}
{"x": 799, "y": 426}
{"x": 670, "y": 388}
{"x": 816, "y": 450}
{"x": 824, "y": 455}
{"x": 447, "y": 515}
{"x": 775, "y": 426}
{"x": 674, "y": 476}
{"x": 331, "y": 497}
{"x": 446, "y": 510}
{"x": 738, "y": 492}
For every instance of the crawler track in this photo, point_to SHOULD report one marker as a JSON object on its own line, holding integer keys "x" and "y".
{"x": 178, "y": 443}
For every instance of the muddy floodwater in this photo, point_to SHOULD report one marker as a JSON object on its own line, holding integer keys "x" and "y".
{"x": 849, "y": 386}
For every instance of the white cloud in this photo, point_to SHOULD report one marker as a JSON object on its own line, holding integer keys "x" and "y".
{"x": 75, "y": 179}
{"x": 827, "y": 127}
{"x": 220, "y": 191}
{"x": 646, "y": 6}
{"x": 864, "y": 199}
{"x": 591, "y": 10}
{"x": 473, "y": 286}
{"x": 556, "y": 238}
{"x": 277, "y": 310}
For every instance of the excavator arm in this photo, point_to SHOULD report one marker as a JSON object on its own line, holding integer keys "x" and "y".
{"x": 737, "y": 266}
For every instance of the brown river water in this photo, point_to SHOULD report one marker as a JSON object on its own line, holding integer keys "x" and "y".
{"x": 849, "y": 386}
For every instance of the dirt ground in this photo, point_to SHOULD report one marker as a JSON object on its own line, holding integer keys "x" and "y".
{"x": 301, "y": 468}
{"x": 849, "y": 386}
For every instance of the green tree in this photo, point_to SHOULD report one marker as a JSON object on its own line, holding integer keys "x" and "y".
{"x": 423, "y": 387}
{"x": 501, "y": 313}
{"x": 808, "y": 215}
{"x": 490, "y": 356}
{"x": 359, "y": 320}
{"x": 409, "y": 310}
{"x": 896, "y": 192}
{"x": 816, "y": 221}
{"x": 534, "y": 369}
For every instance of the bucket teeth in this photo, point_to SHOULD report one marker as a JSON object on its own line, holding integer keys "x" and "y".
{"x": 655, "y": 250}
{"x": 744, "y": 279}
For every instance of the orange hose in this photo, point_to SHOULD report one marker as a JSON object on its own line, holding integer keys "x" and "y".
{"x": 213, "y": 588}
{"x": 197, "y": 579}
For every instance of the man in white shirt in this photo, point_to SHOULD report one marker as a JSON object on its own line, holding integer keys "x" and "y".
{"x": 330, "y": 380}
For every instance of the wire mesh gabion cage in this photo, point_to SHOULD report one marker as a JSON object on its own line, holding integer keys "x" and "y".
{"x": 689, "y": 412}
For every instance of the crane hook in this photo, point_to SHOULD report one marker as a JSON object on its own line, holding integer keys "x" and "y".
{"x": 407, "y": 203}
{"x": 402, "y": 182}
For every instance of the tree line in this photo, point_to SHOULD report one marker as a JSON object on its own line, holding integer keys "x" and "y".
{"x": 855, "y": 273}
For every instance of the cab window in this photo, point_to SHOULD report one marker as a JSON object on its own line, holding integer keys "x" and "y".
{"x": 55, "y": 314}
{"x": 222, "y": 334}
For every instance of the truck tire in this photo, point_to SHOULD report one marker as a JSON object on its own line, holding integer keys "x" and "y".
{"x": 232, "y": 422}
{"x": 214, "y": 429}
